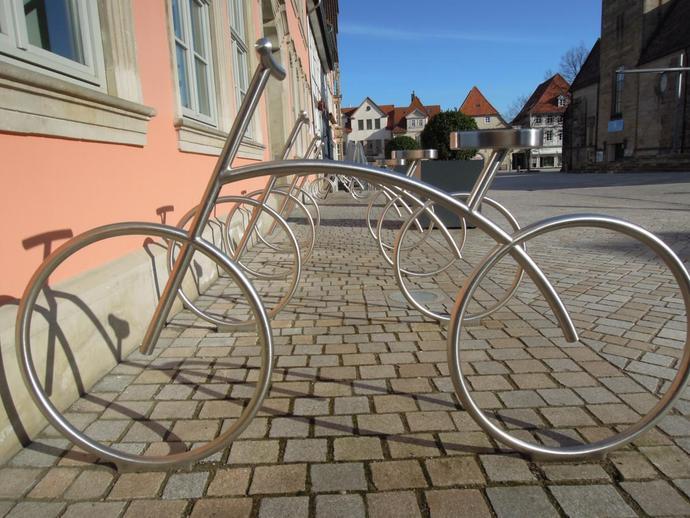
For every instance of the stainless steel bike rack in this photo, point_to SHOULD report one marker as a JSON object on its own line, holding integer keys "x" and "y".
{"x": 420, "y": 195}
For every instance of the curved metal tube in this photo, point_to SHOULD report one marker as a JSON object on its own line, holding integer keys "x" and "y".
{"x": 398, "y": 271}
{"x": 296, "y": 269}
{"x": 124, "y": 460}
{"x": 598, "y": 448}
{"x": 428, "y": 192}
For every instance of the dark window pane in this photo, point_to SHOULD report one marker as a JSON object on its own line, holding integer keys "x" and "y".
{"x": 182, "y": 75}
{"x": 177, "y": 20}
{"x": 53, "y": 26}
{"x": 202, "y": 87}
{"x": 197, "y": 27}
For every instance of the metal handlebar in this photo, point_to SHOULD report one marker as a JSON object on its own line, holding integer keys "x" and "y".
{"x": 265, "y": 49}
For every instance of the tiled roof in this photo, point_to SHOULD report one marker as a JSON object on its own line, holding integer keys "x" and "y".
{"x": 589, "y": 73}
{"x": 476, "y": 105}
{"x": 672, "y": 34}
{"x": 545, "y": 98}
{"x": 396, "y": 115}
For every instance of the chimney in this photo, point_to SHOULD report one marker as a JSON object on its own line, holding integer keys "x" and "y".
{"x": 412, "y": 96}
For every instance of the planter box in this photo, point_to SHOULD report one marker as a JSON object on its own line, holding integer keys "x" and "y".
{"x": 451, "y": 176}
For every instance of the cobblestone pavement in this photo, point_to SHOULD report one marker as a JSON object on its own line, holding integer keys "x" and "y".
{"x": 362, "y": 420}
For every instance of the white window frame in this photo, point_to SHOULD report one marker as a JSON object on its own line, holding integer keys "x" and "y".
{"x": 370, "y": 124}
{"x": 549, "y": 119}
{"x": 15, "y": 46}
{"x": 240, "y": 54}
{"x": 377, "y": 123}
{"x": 487, "y": 120}
{"x": 548, "y": 136}
{"x": 186, "y": 42}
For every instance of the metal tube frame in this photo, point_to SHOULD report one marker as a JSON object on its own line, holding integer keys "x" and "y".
{"x": 192, "y": 241}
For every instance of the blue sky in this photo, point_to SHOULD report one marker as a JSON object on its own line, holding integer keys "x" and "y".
{"x": 441, "y": 48}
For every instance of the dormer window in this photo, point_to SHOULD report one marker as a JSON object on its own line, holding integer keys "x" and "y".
{"x": 561, "y": 101}
{"x": 487, "y": 119}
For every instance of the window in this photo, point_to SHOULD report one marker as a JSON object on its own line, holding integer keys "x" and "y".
{"x": 560, "y": 135}
{"x": 548, "y": 135}
{"x": 193, "y": 56}
{"x": 60, "y": 36}
{"x": 238, "y": 35}
{"x": 369, "y": 124}
{"x": 537, "y": 119}
{"x": 377, "y": 123}
{"x": 549, "y": 119}
{"x": 559, "y": 119}
{"x": 617, "y": 104}
{"x": 561, "y": 101}
{"x": 360, "y": 124}
{"x": 487, "y": 119}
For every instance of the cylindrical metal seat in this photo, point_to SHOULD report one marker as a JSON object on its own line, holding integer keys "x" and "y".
{"x": 497, "y": 139}
{"x": 392, "y": 162}
{"x": 415, "y": 154}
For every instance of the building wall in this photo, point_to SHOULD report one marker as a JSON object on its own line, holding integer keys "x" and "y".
{"x": 373, "y": 139}
{"x": 621, "y": 43}
{"x": 580, "y": 151}
{"x": 660, "y": 129}
{"x": 75, "y": 158}
{"x": 59, "y": 183}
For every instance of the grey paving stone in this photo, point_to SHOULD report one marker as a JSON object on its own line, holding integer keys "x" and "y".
{"x": 254, "y": 452}
{"x": 339, "y": 506}
{"x": 14, "y": 482}
{"x": 279, "y": 507}
{"x": 327, "y": 478}
{"x": 657, "y": 498}
{"x": 454, "y": 471}
{"x": 401, "y": 504}
{"x": 90, "y": 509}
{"x": 287, "y": 478}
{"x": 457, "y": 503}
{"x": 586, "y": 501}
{"x": 289, "y": 427}
{"x": 235, "y": 507}
{"x": 520, "y": 502}
{"x": 185, "y": 485}
{"x": 36, "y": 510}
{"x": 575, "y": 472}
{"x": 670, "y": 460}
{"x": 306, "y": 450}
{"x": 504, "y": 468}
{"x": 683, "y": 485}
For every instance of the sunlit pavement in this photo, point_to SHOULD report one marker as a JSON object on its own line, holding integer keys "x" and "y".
{"x": 362, "y": 419}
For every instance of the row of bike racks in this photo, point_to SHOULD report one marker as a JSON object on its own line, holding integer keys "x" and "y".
{"x": 402, "y": 195}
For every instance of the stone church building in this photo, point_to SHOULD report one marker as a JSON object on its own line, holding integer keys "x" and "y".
{"x": 633, "y": 121}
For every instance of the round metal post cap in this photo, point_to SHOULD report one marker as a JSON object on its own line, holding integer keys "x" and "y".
{"x": 497, "y": 139}
{"x": 415, "y": 154}
{"x": 392, "y": 162}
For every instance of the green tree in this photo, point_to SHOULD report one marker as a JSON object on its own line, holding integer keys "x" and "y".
{"x": 400, "y": 143}
{"x": 436, "y": 134}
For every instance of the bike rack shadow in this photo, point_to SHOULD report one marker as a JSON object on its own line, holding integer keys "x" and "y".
{"x": 56, "y": 338}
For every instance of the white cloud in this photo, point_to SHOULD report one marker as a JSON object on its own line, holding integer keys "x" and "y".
{"x": 383, "y": 33}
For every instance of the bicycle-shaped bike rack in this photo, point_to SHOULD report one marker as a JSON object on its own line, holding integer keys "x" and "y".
{"x": 401, "y": 193}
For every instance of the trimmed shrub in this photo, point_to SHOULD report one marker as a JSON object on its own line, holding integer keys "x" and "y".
{"x": 436, "y": 134}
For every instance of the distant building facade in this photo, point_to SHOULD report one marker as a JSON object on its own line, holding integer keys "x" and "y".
{"x": 633, "y": 121}
{"x": 544, "y": 110}
{"x": 477, "y": 106}
{"x": 375, "y": 125}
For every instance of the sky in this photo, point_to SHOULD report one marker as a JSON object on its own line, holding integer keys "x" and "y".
{"x": 441, "y": 48}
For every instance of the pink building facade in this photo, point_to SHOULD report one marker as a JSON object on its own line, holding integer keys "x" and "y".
{"x": 115, "y": 110}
